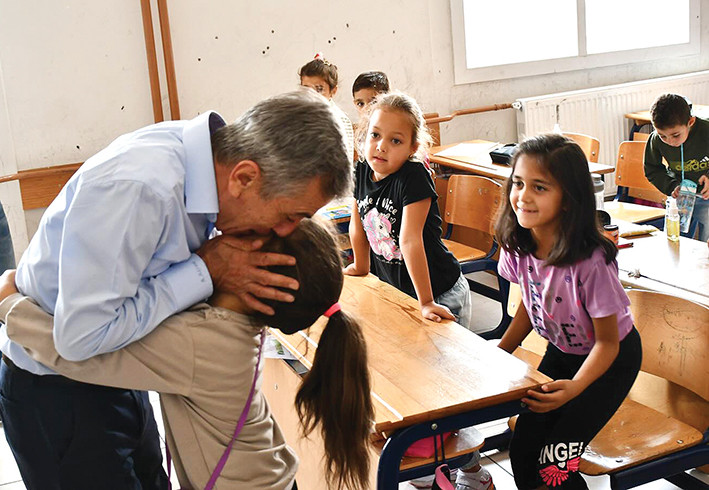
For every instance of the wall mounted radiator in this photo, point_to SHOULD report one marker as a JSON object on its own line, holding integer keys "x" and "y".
{"x": 600, "y": 112}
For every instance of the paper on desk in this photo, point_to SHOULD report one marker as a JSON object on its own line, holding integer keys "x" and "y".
{"x": 273, "y": 349}
{"x": 627, "y": 229}
{"x": 470, "y": 151}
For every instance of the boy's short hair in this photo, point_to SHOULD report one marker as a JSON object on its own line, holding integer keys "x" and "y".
{"x": 376, "y": 80}
{"x": 670, "y": 110}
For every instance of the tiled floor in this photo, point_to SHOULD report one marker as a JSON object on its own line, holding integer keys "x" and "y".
{"x": 487, "y": 313}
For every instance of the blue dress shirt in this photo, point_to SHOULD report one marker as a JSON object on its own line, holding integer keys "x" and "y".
{"x": 114, "y": 252}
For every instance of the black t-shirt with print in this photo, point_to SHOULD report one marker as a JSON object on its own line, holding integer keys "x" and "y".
{"x": 381, "y": 207}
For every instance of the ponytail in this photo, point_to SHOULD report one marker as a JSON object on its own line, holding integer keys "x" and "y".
{"x": 336, "y": 394}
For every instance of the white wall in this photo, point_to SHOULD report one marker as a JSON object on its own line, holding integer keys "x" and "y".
{"x": 73, "y": 74}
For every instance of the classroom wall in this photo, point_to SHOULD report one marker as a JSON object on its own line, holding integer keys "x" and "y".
{"x": 73, "y": 74}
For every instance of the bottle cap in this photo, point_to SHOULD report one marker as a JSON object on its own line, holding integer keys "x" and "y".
{"x": 610, "y": 227}
{"x": 672, "y": 204}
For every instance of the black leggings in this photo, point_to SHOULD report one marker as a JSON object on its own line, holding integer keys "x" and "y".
{"x": 546, "y": 447}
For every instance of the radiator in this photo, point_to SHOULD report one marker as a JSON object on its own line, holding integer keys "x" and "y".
{"x": 600, "y": 112}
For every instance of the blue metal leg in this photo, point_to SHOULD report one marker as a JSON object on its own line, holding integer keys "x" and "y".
{"x": 388, "y": 472}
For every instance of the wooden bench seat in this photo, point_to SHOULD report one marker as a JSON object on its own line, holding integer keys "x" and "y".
{"x": 667, "y": 410}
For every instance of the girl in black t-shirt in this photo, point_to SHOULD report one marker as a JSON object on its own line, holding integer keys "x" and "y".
{"x": 396, "y": 226}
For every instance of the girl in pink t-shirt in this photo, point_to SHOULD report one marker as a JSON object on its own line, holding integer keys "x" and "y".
{"x": 553, "y": 248}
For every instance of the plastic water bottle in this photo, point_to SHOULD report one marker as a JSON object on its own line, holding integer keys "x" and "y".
{"x": 672, "y": 219}
{"x": 598, "y": 190}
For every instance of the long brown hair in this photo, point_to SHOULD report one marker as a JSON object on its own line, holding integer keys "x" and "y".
{"x": 580, "y": 234}
{"x": 336, "y": 394}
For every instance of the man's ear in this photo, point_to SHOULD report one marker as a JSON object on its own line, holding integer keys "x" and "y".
{"x": 244, "y": 175}
{"x": 692, "y": 120}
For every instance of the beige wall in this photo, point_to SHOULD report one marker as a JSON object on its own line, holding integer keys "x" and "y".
{"x": 73, "y": 74}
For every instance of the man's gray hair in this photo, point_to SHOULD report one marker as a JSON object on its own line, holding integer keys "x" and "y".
{"x": 293, "y": 137}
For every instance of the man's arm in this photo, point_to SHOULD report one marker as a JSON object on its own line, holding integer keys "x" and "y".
{"x": 112, "y": 232}
{"x": 162, "y": 361}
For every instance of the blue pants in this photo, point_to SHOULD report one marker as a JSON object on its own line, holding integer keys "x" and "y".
{"x": 71, "y": 436}
{"x": 7, "y": 253}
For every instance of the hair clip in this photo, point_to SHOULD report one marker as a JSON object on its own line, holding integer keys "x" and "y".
{"x": 321, "y": 57}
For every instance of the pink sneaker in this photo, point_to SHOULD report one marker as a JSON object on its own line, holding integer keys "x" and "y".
{"x": 480, "y": 480}
{"x": 425, "y": 482}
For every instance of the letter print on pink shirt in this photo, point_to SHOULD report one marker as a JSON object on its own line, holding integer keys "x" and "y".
{"x": 378, "y": 229}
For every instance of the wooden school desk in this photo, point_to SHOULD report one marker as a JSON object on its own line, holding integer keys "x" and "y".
{"x": 427, "y": 377}
{"x": 480, "y": 163}
{"x": 678, "y": 268}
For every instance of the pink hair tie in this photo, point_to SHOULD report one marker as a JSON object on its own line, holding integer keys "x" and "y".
{"x": 319, "y": 56}
{"x": 333, "y": 309}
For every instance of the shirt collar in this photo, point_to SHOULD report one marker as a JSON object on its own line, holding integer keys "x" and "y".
{"x": 200, "y": 180}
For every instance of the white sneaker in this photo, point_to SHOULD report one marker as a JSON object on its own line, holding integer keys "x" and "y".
{"x": 480, "y": 480}
{"x": 425, "y": 482}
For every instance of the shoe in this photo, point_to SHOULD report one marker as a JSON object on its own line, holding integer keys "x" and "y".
{"x": 425, "y": 482}
{"x": 480, "y": 480}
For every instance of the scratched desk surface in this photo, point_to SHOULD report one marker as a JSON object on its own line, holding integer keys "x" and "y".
{"x": 679, "y": 268}
{"x": 420, "y": 369}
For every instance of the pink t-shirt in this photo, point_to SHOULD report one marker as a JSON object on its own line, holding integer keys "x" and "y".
{"x": 562, "y": 300}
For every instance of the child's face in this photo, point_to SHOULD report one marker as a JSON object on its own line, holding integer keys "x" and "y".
{"x": 319, "y": 85}
{"x": 676, "y": 135}
{"x": 362, "y": 98}
{"x": 535, "y": 197}
{"x": 389, "y": 142}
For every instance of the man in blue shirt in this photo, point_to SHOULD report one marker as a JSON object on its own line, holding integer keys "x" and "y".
{"x": 124, "y": 246}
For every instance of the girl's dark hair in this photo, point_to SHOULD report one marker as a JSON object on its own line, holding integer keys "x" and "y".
{"x": 336, "y": 393}
{"x": 376, "y": 80}
{"x": 579, "y": 231}
{"x": 320, "y": 67}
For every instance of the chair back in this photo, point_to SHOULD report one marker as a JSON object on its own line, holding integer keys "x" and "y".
{"x": 629, "y": 172}
{"x": 590, "y": 145}
{"x": 472, "y": 201}
{"x": 433, "y": 128}
{"x": 638, "y": 136}
{"x": 675, "y": 338}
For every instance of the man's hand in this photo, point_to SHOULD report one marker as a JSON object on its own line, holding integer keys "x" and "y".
{"x": 675, "y": 193}
{"x": 7, "y": 284}
{"x": 236, "y": 266}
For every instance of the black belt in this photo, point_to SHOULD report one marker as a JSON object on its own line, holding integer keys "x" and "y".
{"x": 49, "y": 378}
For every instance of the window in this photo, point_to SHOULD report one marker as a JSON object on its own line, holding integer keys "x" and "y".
{"x": 516, "y": 38}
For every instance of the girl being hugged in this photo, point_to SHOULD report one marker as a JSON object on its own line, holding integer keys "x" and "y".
{"x": 395, "y": 214}
{"x": 553, "y": 248}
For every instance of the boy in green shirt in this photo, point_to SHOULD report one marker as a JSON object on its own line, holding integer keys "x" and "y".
{"x": 677, "y": 132}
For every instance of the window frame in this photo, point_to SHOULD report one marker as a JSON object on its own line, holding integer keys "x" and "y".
{"x": 584, "y": 61}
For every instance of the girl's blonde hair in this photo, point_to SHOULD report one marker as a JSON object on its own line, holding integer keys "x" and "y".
{"x": 407, "y": 105}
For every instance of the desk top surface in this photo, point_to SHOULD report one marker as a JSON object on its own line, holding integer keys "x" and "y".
{"x": 634, "y": 213}
{"x": 481, "y": 164}
{"x": 420, "y": 369}
{"x": 680, "y": 268}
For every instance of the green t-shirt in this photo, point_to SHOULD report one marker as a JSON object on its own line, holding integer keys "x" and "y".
{"x": 696, "y": 159}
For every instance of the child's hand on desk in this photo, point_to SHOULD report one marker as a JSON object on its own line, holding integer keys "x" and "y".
{"x": 552, "y": 395}
{"x": 352, "y": 270}
{"x": 434, "y": 311}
